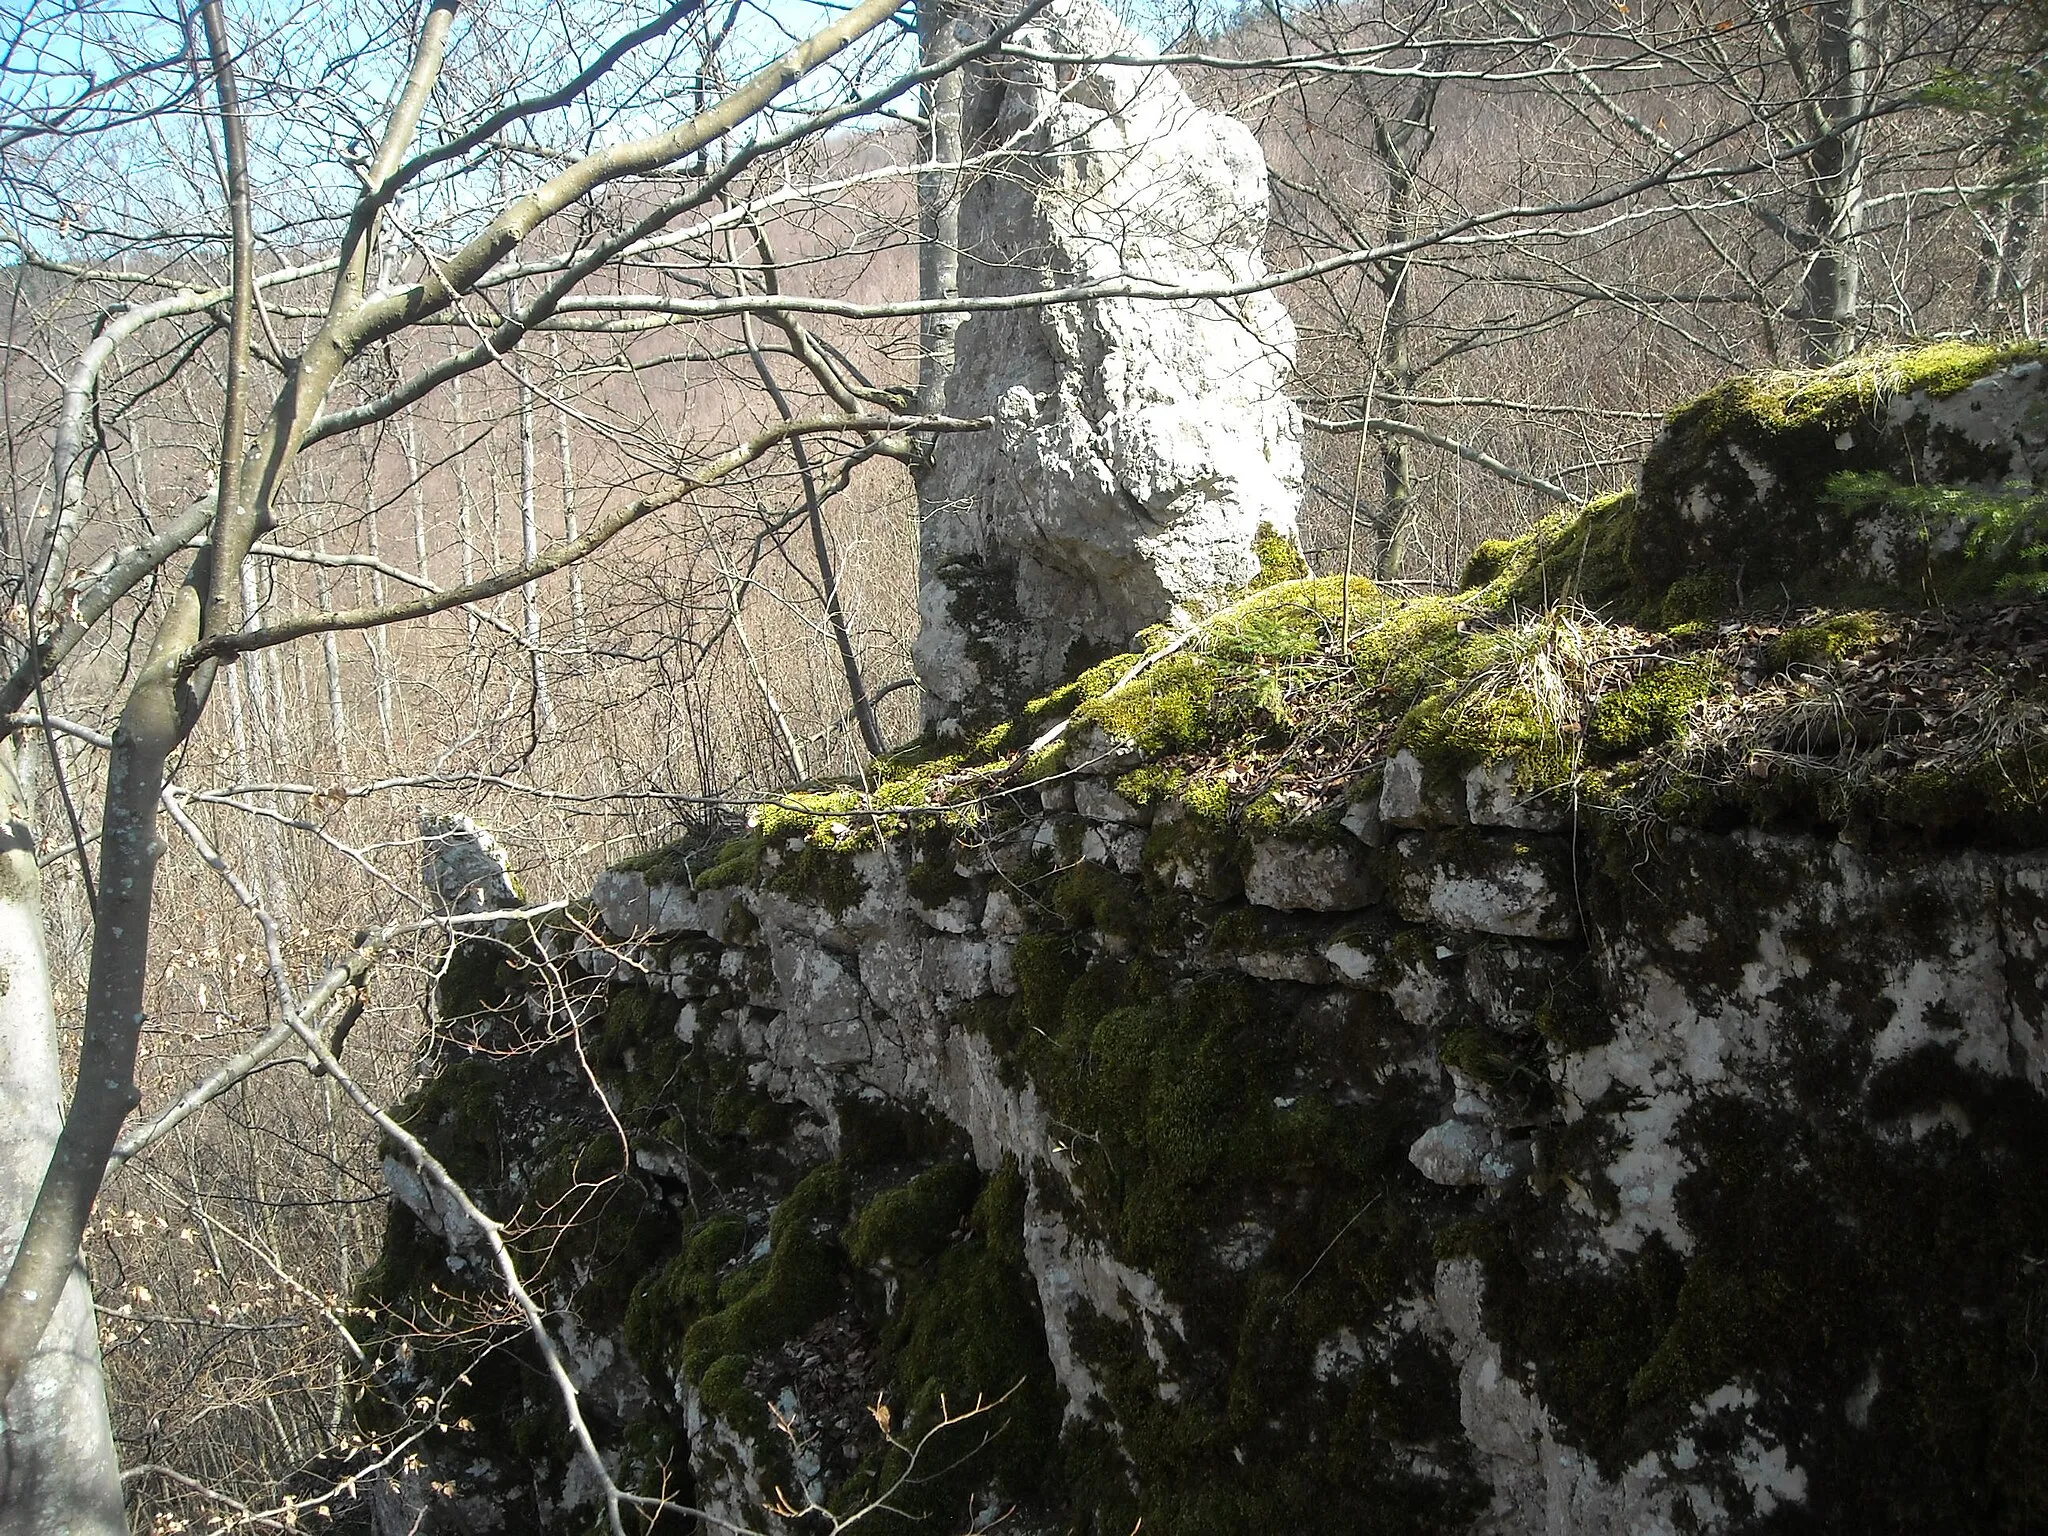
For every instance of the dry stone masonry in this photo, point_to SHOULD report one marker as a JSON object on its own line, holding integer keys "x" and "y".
{"x": 1140, "y": 441}
{"x": 1544, "y": 1068}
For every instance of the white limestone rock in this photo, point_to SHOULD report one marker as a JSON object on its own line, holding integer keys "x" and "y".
{"x": 1461, "y": 1152}
{"x": 1476, "y": 885}
{"x": 1363, "y": 821}
{"x": 1094, "y": 799}
{"x": 1409, "y": 797}
{"x": 1138, "y": 443}
{"x": 1310, "y": 877}
{"x": 465, "y": 869}
{"x": 620, "y": 896}
{"x": 1495, "y": 797}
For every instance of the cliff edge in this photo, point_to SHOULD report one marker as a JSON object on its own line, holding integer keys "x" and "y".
{"x": 1566, "y": 1056}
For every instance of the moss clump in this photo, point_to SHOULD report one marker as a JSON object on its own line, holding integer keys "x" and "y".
{"x": 1828, "y": 640}
{"x": 934, "y": 882}
{"x": 1481, "y": 1055}
{"x": 785, "y": 1293}
{"x": 1652, "y": 710}
{"x": 1580, "y": 554}
{"x": 1587, "y": 1332}
{"x": 1762, "y": 451}
{"x": 914, "y": 1222}
{"x": 682, "y": 861}
{"x": 825, "y": 876}
{"x": 665, "y": 1303}
{"x": 1098, "y": 900}
{"x": 1206, "y": 692}
{"x": 738, "y": 862}
{"x": 1489, "y": 558}
{"x": 1972, "y": 543}
{"x": 965, "y": 1332}
{"x": 1759, "y": 408}
{"x": 1279, "y": 557}
{"x": 1414, "y": 648}
{"x": 1504, "y": 722}
{"x": 1695, "y": 599}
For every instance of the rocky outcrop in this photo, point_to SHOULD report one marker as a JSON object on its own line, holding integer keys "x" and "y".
{"x": 1141, "y": 441}
{"x": 464, "y": 868}
{"x": 1916, "y": 473}
{"x": 1517, "y": 1072}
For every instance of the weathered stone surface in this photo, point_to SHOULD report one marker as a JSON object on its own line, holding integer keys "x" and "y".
{"x": 1719, "y": 1211}
{"x": 1839, "y": 1007}
{"x": 1363, "y": 820}
{"x": 1410, "y": 796}
{"x": 620, "y": 897}
{"x": 1094, "y": 799}
{"x": 1495, "y": 797}
{"x": 1517, "y": 984}
{"x": 465, "y": 870}
{"x": 1485, "y": 885}
{"x": 1453, "y": 1153}
{"x": 1138, "y": 444}
{"x": 1309, "y": 877}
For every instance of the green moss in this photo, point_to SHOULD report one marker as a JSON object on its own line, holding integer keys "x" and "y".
{"x": 1588, "y": 1333}
{"x": 1758, "y": 406}
{"x": 1218, "y": 687}
{"x": 1973, "y": 543}
{"x": 1091, "y": 897}
{"x": 1279, "y": 557}
{"x": 1695, "y": 599}
{"x": 1489, "y": 558}
{"x": 722, "y": 1389}
{"x": 1481, "y": 1054}
{"x": 1580, "y": 554}
{"x": 666, "y": 1302}
{"x": 1415, "y": 648}
{"x": 738, "y": 862}
{"x": 796, "y": 1285}
{"x": 1834, "y": 638}
{"x": 914, "y": 1222}
{"x": 1652, "y": 710}
{"x": 460, "y": 1112}
{"x": 965, "y": 1331}
{"x": 1151, "y": 783}
{"x": 679, "y": 862}
{"x": 1770, "y": 452}
{"x": 1507, "y": 722}
{"x": 934, "y": 882}
{"x": 824, "y": 876}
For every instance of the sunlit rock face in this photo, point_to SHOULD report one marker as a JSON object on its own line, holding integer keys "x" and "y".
{"x": 1139, "y": 442}
{"x": 1601, "y": 1195}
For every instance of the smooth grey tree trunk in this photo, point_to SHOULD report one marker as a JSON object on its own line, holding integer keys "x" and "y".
{"x": 938, "y": 205}
{"x": 57, "y": 1468}
{"x": 1831, "y": 304}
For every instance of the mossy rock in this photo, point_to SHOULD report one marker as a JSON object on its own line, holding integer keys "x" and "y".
{"x": 1736, "y": 488}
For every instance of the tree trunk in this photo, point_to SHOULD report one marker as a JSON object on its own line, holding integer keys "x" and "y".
{"x": 1399, "y": 145}
{"x": 529, "y": 551}
{"x": 1831, "y": 302}
{"x": 57, "y": 1467}
{"x": 938, "y": 206}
